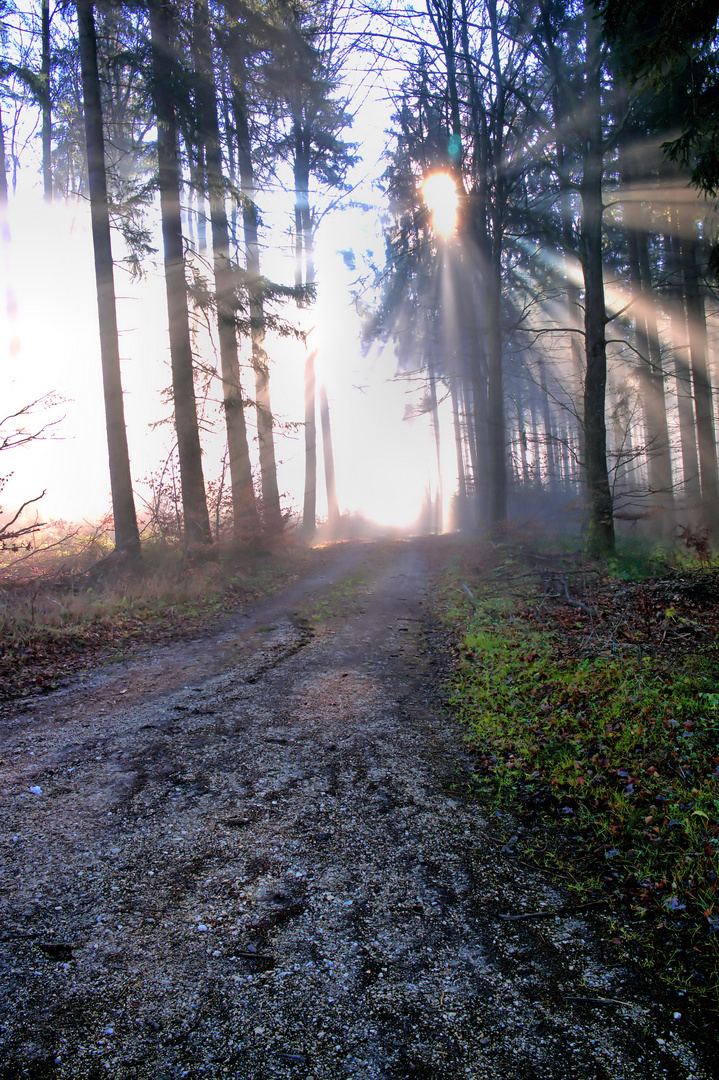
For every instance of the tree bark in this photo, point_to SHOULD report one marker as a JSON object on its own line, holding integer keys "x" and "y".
{"x": 309, "y": 505}
{"x": 495, "y": 386}
{"x": 305, "y": 275}
{"x": 244, "y": 507}
{"x": 682, "y": 366}
{"x": 550, "y": 437}
{"x": 46, "y": 101}
{"x": 600, "y": 536}
{"x": 127, "y": 539}
{"x": 651, "y": 377}
{"x": 272, "y": 511}
{"x": 194, "y": 500}
{"x": 3, "y": 167}
{"x": 703, "y": 404}
{"x": 328, "y": 458}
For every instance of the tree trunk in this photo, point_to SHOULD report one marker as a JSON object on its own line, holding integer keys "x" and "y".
{"x": 461, "y": 515}
{"x": 550, "y": 438}
{"x": 127, "y": 539}
{"x": 196, "y": 160}
{"x": 46, "y": 101}
{"x": 525, "y": 477}
{"x": 333, "y": 510}
{"x": 3, "y": 168}
{"x": 651, "y": 377}
{"x": 244, "y": 507}
{"x": 309, "y": 506}
{"x": 600, "y": 537}
{"x": 194, "y": 500}
{"x": 561, "y": 109}
{"x": 467, "y": 402}
{"x": 703, "y": 405}
{"x": 265, "y": 422}
{"x": 305, "y": 275}
{"x": 11, "y": 308}
{"x": 437, "y": 521}
{"x": 682, "y": 366}
{"x": 495, "y": 388}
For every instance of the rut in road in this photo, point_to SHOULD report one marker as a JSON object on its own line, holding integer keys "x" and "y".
{"x": 274, "y": 869}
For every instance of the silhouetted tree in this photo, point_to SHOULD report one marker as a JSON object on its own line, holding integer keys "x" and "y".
{"x": 127, "y": 540}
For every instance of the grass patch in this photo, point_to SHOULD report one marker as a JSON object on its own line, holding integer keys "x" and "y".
{"x": 616, "y": 751}
{"x": 340, "y": 596}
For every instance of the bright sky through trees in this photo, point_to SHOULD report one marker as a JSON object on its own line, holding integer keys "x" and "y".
{"x": 439, "y": 191}
{"x": 56, "y": 323}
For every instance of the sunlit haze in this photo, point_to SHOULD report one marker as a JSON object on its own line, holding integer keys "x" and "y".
{"x": 439, "y": 191}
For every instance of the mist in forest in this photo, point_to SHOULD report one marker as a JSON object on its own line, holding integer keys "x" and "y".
{"x": 328, "y": 270}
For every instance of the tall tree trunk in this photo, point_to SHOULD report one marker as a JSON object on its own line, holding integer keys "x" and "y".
{"x": 309, "y": 505}
{"x": 305, "y": 275}
{"x": 550, "y": 437}
{"x": 46, "y": 101}
{"x": 437, "y": 523}
{"x": 10, "y": 298}
{"x": 600, "y": 538}
{"x": 333, "y": 510}
{"x": 461, "y": 516}
{"x": 525, "y": 477}
{"x": 196, "y": 160}
{"x": 265, "y": 422}
{"x": 194, "y": 500}
{"x": 661, "y": 474}
{"x": 467, "y": 403}
{"x": 561, "y": 110}
{"x": 495, "y": 387}
{"x": 703, "y": 405}
{"x": 574, "y": 307}
{"x": 480, "y": 420}
{"x": 682, "y": 366}
{"x": 244, "y": 507}
{"x": 651, "y": 377}
{"x": 127, "y": 538}
{"x": 3, "y": 167}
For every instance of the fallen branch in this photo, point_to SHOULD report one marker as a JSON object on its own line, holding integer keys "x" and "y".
{"x": 555, "y": 912}
{"x": 601, "y": 1001}
{"x": 470, "y": 595}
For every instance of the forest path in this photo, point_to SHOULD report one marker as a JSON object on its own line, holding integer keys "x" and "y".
{"x": 254, "y": 856}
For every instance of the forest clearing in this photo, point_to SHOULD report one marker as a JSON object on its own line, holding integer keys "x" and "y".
{"x": 269, "y": 848}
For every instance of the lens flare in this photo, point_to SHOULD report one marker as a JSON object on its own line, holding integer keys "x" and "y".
{"x": 439, "y": 191}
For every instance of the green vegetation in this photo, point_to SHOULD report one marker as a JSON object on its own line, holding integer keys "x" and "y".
{"x": 349, "y": 590}
{"x": 340, "y": 596}
{"x": 600, "y": 717}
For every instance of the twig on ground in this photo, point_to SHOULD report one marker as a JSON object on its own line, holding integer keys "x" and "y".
{"x": 551, "y": 913}
{"x": 601, "y": 1001}
{"x": 470, "y": 595}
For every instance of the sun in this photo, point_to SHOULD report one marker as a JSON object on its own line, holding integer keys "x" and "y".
{"x": 439, "y": 191}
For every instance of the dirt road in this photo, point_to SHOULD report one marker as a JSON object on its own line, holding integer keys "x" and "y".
{"x": 254, "y": 856}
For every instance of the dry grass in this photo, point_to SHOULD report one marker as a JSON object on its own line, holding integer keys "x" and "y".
{"x": 66, "y": 607}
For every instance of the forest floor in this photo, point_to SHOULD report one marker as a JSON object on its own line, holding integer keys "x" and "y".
{"x": 258, "y": 853}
